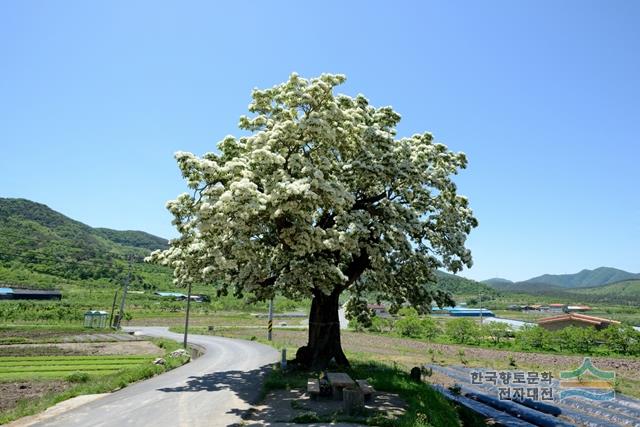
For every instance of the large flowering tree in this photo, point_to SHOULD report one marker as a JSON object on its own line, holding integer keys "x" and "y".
{"x": 319, "y": 199}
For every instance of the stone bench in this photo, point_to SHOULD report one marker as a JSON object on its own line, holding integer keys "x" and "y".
{"x": 313, "y": 387}
{"x": 366, "y": 389}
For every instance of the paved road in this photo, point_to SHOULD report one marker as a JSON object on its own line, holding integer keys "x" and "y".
{"x": 212, "y": 390}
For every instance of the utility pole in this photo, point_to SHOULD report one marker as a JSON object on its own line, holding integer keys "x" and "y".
{"x": 270, "y": 324}
{"x": 113, "y": 308}
{"x": 186, "y": 319}
{"x": 124, "y": 296}
{"x": 480, "y": 308}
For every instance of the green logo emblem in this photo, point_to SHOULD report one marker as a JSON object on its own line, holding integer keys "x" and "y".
{"x": 587, "y": 381}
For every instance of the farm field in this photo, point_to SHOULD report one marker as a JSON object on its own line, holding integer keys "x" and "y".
{"x": 619, "y": 313}
{"x": 47, "y": 364}
{"x": 60, "y": 367}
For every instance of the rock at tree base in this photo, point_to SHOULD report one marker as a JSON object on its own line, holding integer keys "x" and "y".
{"x": 416, "y": 374}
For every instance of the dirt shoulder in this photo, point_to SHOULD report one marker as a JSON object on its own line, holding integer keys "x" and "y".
{"x": 12, "y": 392}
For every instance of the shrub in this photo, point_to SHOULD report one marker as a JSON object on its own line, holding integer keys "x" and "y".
{"x": 409, "y": 326}
{"x": 623, "y": 339}
{"x": 78, "y": 377}
{"x": 306, "y": 417}
{"x": 496, "y": 331}
{"x": 463, "y": 331}
{"x": 534, "y": 338}
{"x": 576, "y": 339}
{"x": 412, "y": 326}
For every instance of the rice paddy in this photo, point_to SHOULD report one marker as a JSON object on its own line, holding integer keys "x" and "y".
{"x": 49, "y": 367}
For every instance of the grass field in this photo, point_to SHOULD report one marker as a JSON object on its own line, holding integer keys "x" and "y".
{"x": 59, "y": 367}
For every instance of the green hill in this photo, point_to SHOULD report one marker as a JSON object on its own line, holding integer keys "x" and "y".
{"x": 497, "y": 282}
{"x": 624, "y": 292}
{"x": 37, "y": 242}
{"x": 457, "y": 285}
{"x": 585, "y": 278}
{"x": 137, "y": 239}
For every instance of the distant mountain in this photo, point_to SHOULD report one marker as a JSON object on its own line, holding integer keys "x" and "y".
{"x": 497, "y": 281}
{"x": 585, "y": 278}
{"x": 37, "y": 239}
{"x": 624, "y": 293}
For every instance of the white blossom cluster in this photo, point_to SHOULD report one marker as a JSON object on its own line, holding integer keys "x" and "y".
{"x": 320, "y": 197}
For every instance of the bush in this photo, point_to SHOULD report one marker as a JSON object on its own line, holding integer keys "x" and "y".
{"x": 412, "y": 326}
{"x": 463, "y": 331}
{"x": 378, "y": 324}
{"x": 534, "y": 338}
{"x": 409, "y": 326}
{"x": 576, "y": 339}
{"x": 622, "y": 339}
{"x": 78, "y": 377}
{"x": 496, "y": 331}
{"x": 306, "y": 418}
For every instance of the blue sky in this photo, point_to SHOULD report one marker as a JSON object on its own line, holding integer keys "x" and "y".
{"x": 543, "y": 96}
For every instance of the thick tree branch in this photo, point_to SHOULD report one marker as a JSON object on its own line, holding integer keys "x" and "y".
{"x": 355, "y": 269}
{"x": 368, "y": 201}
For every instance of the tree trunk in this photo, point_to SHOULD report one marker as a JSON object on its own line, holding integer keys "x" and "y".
{"x": 324, "y": 334}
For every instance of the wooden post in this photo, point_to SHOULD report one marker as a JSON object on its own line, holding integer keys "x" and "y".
{"x": 353, "y": 401}
{"x": 270, "y": 324}
{"x": 283, "y": 361}
{"x": 113, "y": 309}
{"x": 186, "y": 318}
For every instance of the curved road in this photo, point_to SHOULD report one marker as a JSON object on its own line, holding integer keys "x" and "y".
{"x": 212, "y": 390}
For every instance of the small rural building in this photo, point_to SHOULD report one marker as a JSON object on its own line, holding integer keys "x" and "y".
{"x": 95, "y": 319}
{"x": 577, "y": 308}
{"x": 175, "y": 295}
{"x": 6, "y": 293}
{"x": 557, "y": 308}
{"x": 471, "y": 312}
{"x": 379, "y": 310}
{"x": 181, "y": 297}
{"x": 464, "y": 311}
{"x": 40, "y": 294}
{"x": 575, "y": 319}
